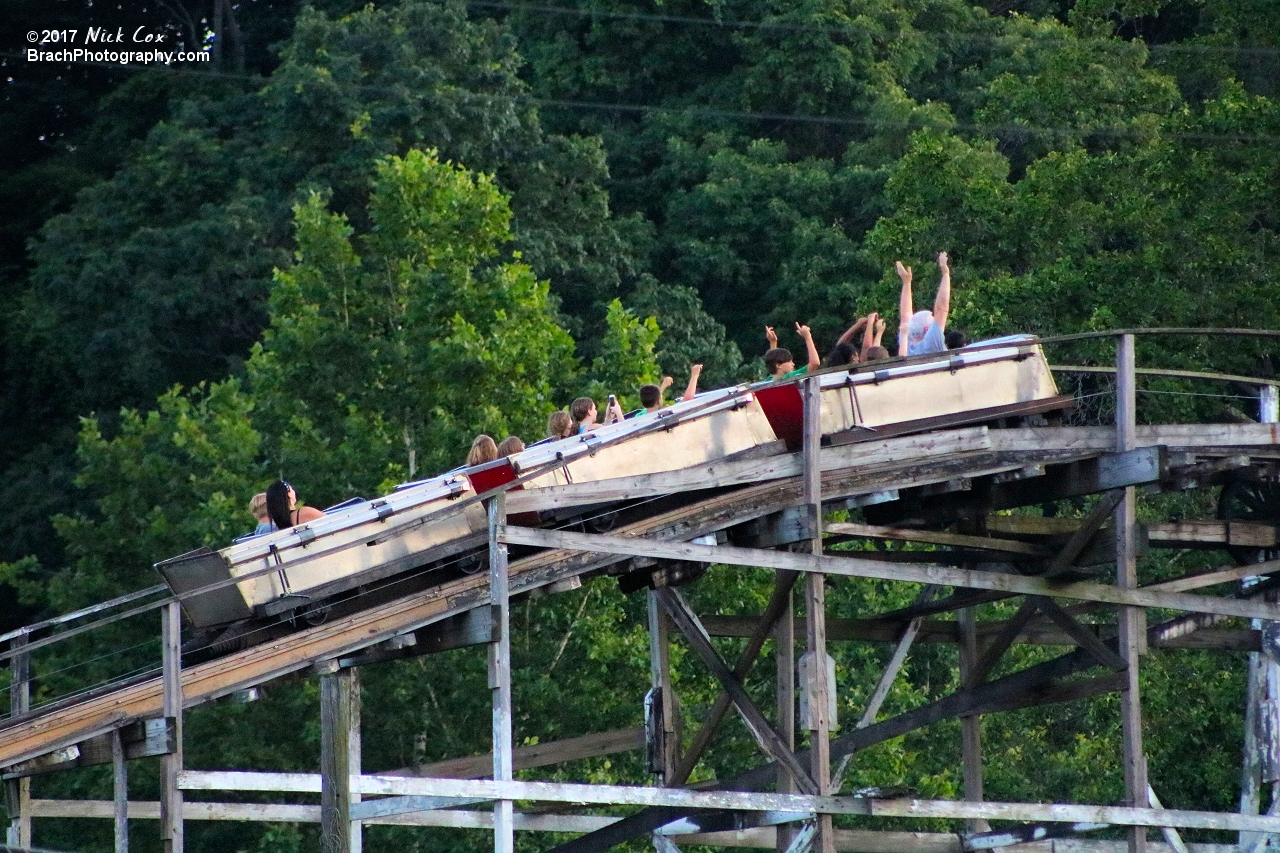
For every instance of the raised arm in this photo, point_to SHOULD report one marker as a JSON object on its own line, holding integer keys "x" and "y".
{"x": 942, "y": 302}
{"x": 849, "y": 333}
{"x": 876, "y": 341}
{"x": 868, "y": 334}
{"x": 692, "y": 391}
{"x": 771, "y": 336}
{"x": 815, "y": 361}
{"x": 904, "y": 306}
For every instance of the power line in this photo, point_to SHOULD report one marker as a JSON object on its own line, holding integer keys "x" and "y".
{"x": 799, "y": 27}
{"x": 988, "y": 129}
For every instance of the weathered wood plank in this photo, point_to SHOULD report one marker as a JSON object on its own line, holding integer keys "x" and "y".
{"x": 538, "y": 755}
{"x": 338, "y": 692}
{"x": 853, "y": 567}
{"x": 877, "y": 630}
{"x": 171, "y": 829}
{"x": 205, "y": 780}
{"x": 985, "y": 543}
{"x": 140, "y": 739}
{"x": 1086, "y": 639}
{"x": 1211, "y": 534}
{"x": 1132, "y": 621}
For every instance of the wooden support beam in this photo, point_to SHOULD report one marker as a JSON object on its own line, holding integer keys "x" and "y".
{"x": 407, "y": 805}
{"x": 958, "y": 540}
{"x": 355, "y": 758}
{"x": 140, "y": 739}
{"x": 987, "y": 840}
{"x": 876, "y": 630}
{"x": 1089, "y": 527}
{"x": 1132, "y": 621}
{"x": 18, "y": 791}
{"x": 956, "y": 601}
{"x": 684, "y": 619}
{"x": 785, "y": 663}
{"x": 1083, "y": 637}
{"x": 778, "y": 608}
{"x": 896, "y": 660}
{"x": 861, "y": 841}
{"x": 539, "y": 755}
{"x": 1263, "y": 673}
{"x": 985, "y": 662}
{"x": 120, "y": 785}
{"x": 562, "y": 792}
{"x": 500, "y": 673}
{"x": 171, "y": 829}
{"x": 1212, "y": 534}
{"x": 854, "y": 567}
{"x": 970, "y": 724}
{"x": 339, "y": 693}
{"x": 661, "y": 701}
{"x": 1171, "y": 836}
{"x": 817, "y": 687}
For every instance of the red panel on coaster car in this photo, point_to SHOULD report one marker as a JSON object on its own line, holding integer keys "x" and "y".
{"x": 491, "y": 475}
{"x": 784, "y": 408}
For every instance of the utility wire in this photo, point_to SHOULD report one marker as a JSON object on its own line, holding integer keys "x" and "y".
{"x": 833, "y": 30}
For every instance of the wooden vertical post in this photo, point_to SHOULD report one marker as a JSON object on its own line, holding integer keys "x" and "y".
{"x": 18, "y": 791}
{"x": 339, "y": 694}
{"x": 1132, "y": 620}
{"x": 354, "y": 760}
{"x": 660, "y": 680}
{"x": 971, "y": 726}
{"x": 120, "y": 778}
{"x": 1263, "y": 672}
{"x": 171, "y": 828}
{"x": 784, "y": 638}
{"x": 815, "y": 611}
{"x": 500, "y": 673}
{"x": 1269, "y": 404}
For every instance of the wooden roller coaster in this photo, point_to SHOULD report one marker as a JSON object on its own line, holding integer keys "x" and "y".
{"x": 927, "y": 450}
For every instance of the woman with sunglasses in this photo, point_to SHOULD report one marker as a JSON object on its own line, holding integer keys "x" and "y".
{"x": 283, "y": 509}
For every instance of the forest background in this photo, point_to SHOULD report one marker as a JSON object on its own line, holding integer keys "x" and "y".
{"x": 364, "y": 233}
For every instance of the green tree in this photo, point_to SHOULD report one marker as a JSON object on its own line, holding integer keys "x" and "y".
{"x": 388, "y": 351}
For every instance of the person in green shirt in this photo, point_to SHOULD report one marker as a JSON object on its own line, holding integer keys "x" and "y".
{"x": 778, "y": 360}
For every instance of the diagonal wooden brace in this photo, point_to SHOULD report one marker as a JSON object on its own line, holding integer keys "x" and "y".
{"x": 683, "y": 617}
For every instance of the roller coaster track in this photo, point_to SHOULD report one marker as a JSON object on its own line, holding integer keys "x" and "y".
{"x": 739, "y": 505}
{"x": 763, "y": 487}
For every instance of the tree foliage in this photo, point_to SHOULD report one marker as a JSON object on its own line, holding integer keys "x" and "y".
{"x": 411, "y": 222}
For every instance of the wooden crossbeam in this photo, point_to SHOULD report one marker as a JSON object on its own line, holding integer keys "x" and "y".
{"x": 853, "y": 567}
{"x": 1212, "y": 534}
{"x": 230, "y": 780}
{"x": 958, "y": 540}
{"x": 1001, "y": 642}
{"x": 1084, "y": 638}
{"x": 537, "y": 755}
{"x": 876, "y": 630}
